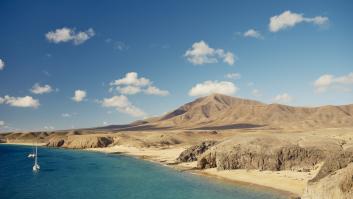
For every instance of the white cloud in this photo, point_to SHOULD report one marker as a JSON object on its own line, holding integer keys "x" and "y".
{"x": 66, "y": 34}
{"x": 256, "y": 93}
{"x": 66, "y": 115}
{"x": 233, "y": 76}
{"x": 289, "y": 19}
{"x": 200, "y": 53}
{"x": 79, "y": 95}
{"x": 2, "y": 64}
{"x": 327, "y": 81}
{"x": 253, "y": 33}
{"x": 283, "y": 98}
{"x": 38, "y": 89}
{"x": 129, "y": 90}
{"x": 49, "y": 127}
{"x": 2, "y": 123}
{"x": 132, "y": 84}
{"x": 121, "y": 46}
{"x": 122, "y": 104}
{"x": 131, "y": 78}
{"x": 152, "y": 90}
{"x": 26, "y": 101}
{"x": 209, "y": 87}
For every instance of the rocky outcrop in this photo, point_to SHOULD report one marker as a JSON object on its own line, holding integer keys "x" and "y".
{"x": 192, "y": 153}
{"x": 334, "y": 162}
{"x": 87, "y": 141}
{"x": 56, "y": 142}
{"x": 82, "y": 141}
{"x": 263, "y": 153}
{"x": 338, "y": 184}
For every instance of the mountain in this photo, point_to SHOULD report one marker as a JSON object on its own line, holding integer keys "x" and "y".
{"x": 218, "y": 111}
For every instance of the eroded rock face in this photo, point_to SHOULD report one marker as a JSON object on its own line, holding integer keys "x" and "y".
{"x": 193, "y": 152}
{"x": 263, "y": 153}
{"x": 338, "y": 184}
{"x": 334, "y": 162}
{"x": 87, "y": 141}
{"x": 80, "y": 141}
{"x": 56, "y": 142}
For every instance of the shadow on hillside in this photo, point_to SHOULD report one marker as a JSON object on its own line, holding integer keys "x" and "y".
{"x": 231, "y": 126}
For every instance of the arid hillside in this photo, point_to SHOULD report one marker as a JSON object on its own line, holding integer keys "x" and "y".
{"x": 221, "y": 112}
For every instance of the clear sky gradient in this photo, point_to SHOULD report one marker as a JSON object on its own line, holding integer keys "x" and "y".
{"x": 172, "y": 51}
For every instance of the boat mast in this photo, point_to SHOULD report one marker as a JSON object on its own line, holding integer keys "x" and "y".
{"x": 35, "y": 161}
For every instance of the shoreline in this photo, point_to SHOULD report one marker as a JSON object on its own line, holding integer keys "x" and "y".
{"x": 147, "y": 154}
{"x": 167, "y": 158}
{"x": 24, "y": 144}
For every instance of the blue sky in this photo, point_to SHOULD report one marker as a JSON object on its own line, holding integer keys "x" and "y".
{"x": 127, "y": 60}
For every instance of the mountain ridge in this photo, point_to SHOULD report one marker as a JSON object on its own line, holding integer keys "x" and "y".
{"x": 217, "y": 110}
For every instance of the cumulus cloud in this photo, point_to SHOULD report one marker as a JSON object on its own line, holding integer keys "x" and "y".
{"x": 122, "y": 104}
{"x": 132, "y": 78}
{"x": 129, "y": 90}
{"x": 283, "y": 98}
{"x": 200, "y": 53}
{"x": 327, "y": 81}
{"x": 209, "y": 87}
{"x": 2, "y": 64}
{"x": 38, "y": 89}
{"x": 2, "y": 123}
{"x": 79, "y": 95}
{"x": 289, "y": 19}
{"x": 26, "y": 101}
{"x": 233, "y": 76}
{"x": 152, "y": 90}
{"x": 253, "y": 33}
{"x": 255, "y": 92}
{"x": 69, "y": 35}
{"x": 132, "y": 84}
{"x": 49, "y": 128}
{"x": 66, "y": 115}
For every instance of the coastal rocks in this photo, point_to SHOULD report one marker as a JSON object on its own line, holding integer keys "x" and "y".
{"x": 263, "y": 153}
{"x": 192, "y": 153}
{"x": 80, "y": 141}
{"x": 334, "y": 162}
{"x": 87, "y": 141}
{"x": 56, "y": 142}
{"x": 338, "y": 184}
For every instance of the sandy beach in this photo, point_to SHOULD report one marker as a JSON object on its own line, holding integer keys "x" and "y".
{"x": 290, "y": 183}
{"x": 26, "y": 144}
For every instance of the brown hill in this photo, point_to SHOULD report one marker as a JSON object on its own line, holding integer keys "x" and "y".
{"x": 218, "y": 111}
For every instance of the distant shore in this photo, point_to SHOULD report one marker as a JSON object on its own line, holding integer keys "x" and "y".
{"x": 25, "y": 144}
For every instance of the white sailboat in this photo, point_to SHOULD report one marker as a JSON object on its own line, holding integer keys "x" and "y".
{"x": 32, "y": 155}
{"x": 36, "y": 166}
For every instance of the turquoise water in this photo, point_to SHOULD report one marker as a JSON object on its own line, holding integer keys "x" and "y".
{"x": 86, "y": 175}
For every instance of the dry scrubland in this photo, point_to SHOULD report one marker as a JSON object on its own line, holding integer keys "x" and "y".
{"x": 304, "y": 151}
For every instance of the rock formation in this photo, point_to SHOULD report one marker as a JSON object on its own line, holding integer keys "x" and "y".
{"x": 338, "y": 184}
{"x": 192, "y": 153}
{"x": 263, "y": 153}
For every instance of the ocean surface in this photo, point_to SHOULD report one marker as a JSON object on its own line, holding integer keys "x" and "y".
{"x": 86, "y": 175}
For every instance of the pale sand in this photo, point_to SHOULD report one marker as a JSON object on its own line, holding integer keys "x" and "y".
{"x": 161, "y": 155}
{"x": 288, "y": 181}
{"x": 25, "y": 144}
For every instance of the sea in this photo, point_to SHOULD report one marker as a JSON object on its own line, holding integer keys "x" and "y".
{"x": 67, "y": 174}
